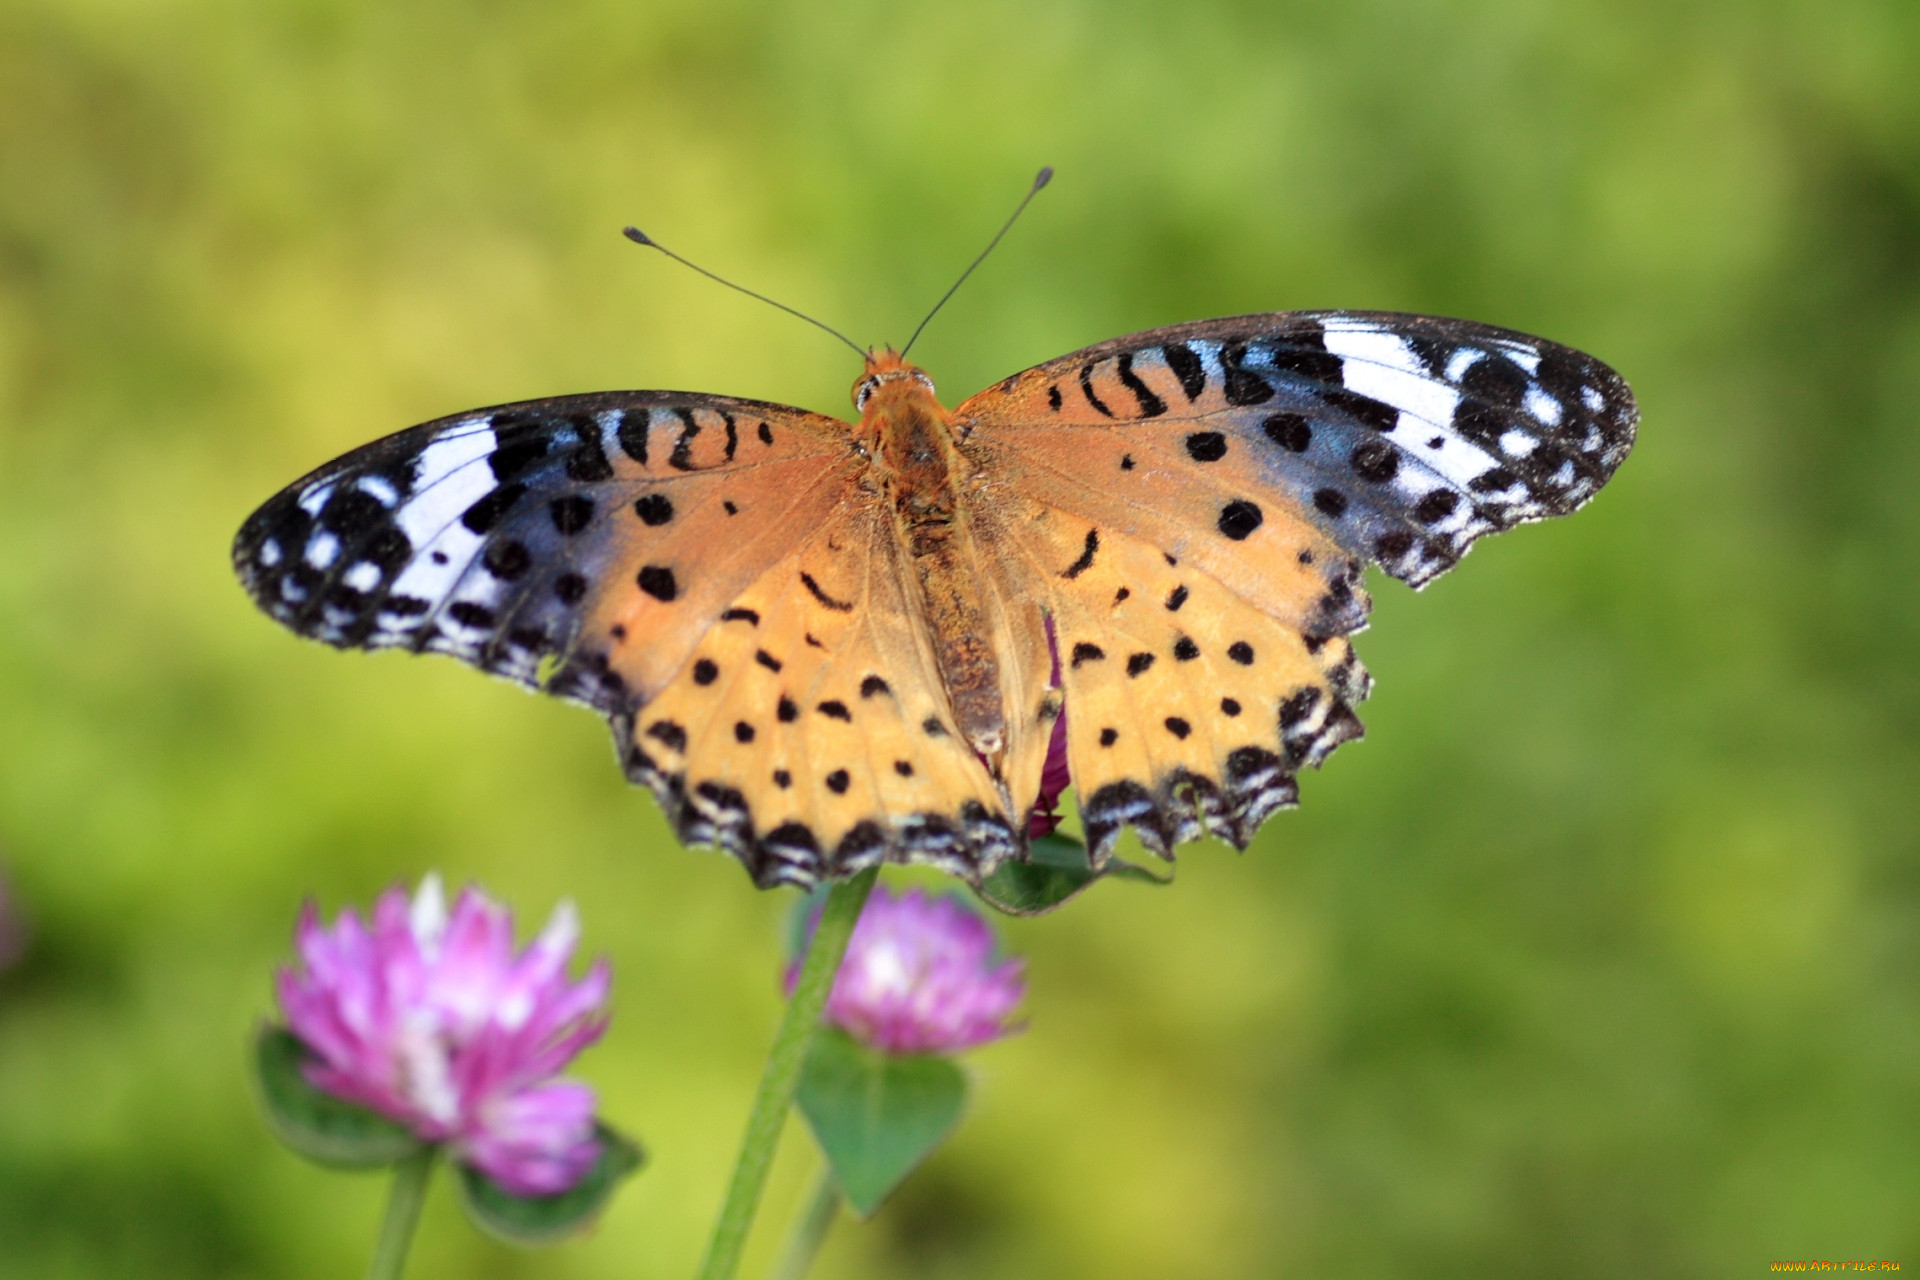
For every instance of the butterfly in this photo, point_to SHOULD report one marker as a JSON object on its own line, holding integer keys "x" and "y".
{"x": 825, "y": 644}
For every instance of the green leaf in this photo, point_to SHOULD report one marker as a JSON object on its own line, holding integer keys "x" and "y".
{"x": 314, "y": 1123}
{"x": 546, "y": 1219}
{"x": 1056, "y": 869}
{"x": 876, "y": 1115}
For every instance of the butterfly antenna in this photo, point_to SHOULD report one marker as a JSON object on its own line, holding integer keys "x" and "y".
{"x": 1040, "y": 180}
{"x": 638, "y": 236}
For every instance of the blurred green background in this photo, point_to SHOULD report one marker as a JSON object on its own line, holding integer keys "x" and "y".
{"x": 1598, "y": 958}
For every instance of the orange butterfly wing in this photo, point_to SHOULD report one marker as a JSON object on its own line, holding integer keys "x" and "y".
{"x": 581, "y": 545}
{"x": 706, "y": 571}
{"x": 1194, "y": 506}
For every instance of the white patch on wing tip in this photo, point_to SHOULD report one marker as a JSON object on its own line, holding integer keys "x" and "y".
{"x": 1461, "y": 361}
{"x": 1517, "y": 443}
{"x": 448, "y": 484}
{"x": 380, "y": 489}
{"x": 362, "y": 575}
{"x": 1353, "y": 341}
{"x": 1542, "y": 406}
{"x": 322, "y": 548}
{"x": 315, "y": 498}
{"x": 1400, "y": 381}
{"x": 1526, "y": 357}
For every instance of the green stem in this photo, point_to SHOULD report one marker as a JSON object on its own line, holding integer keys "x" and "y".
{"x": 811, "y": 1231}
{"x": 782, "y": 1074}
{"x": 408, "y": 1193}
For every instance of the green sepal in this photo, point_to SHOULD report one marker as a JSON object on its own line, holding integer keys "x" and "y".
{"x": 1056, "y": 869}
{"x": 546, "y": 1219}
{"x": 314, "y": 1123}
{"x": 876, "y": 1115}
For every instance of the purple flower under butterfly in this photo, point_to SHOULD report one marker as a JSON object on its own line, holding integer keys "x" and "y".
{"x": 430, "y": 1019}
{"x": 920, "y": 977}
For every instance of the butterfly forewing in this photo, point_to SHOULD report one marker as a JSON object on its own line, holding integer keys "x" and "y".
{"x": 535, "y": 540}
{"x": 1402, "y": 438}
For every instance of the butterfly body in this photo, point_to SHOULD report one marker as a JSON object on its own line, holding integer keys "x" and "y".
{"x": 824, "y": 645}
{"x": 919, "y": 466}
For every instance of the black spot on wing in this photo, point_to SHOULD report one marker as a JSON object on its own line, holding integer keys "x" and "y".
{"x": 814, "y": 589}
{"x": 681, "y": 459}
{"x": 518, "y": 449}
{"x": 1086, "y": 388}
{"x": 1372, "y": 413}
{"x": 507, "y": 559}
{"x": 1239, "y": 518}
{"x": 1085, "y": 561}
{"x": 1206, "y": 446}
{"x": 658, "y": 581}
{"x": 587, "y": 460}
{"x": 1151, "y": 405}
{"x": 1330, "y": 502}
{"x": 632, "y": 434}
{"x": 485, "y": 513}
{"x": 1303, "y": 352}
{"x": 1289, "y": 431}
{"x": 1435, "y": 506}
{"x": 1376, "y": 461}
{"x": 1243, "y": 386}
{"x": 1187, "y": 367}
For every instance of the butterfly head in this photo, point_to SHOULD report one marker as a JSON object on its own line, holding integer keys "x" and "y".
{"x": 888, "y": 378}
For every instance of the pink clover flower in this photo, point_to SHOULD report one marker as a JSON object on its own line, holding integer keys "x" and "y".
{"x": 431, "y": 1019}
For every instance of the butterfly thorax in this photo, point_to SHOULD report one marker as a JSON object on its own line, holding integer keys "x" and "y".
{"x": 918, "y": 464}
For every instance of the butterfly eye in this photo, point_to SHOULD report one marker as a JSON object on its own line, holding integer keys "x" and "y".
{"x": 866, "y": 389}
{"x": 924, "y": 380}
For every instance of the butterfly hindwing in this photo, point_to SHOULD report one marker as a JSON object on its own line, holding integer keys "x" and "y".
{"x": 810, "y": 734}
{"x": 519, "y": 538}
{"x": 1188, "y": 709}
